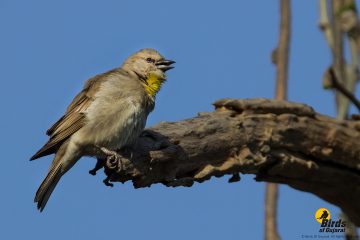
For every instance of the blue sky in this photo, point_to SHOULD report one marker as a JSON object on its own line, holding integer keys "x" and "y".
{"x": 222, "y": 49}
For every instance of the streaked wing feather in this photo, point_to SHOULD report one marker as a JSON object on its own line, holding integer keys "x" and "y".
{"x": 81, "y": 101}
{"x": 65, "y": 129}
{"x": 74, "y": 118}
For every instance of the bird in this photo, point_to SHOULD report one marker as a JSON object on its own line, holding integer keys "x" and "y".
{"x": 108, "y": 114}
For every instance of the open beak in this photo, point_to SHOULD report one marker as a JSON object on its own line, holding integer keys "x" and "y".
{"x": 165, "y": 65}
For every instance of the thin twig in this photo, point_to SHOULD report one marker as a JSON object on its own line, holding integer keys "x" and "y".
{"x": 281, "y": 60}
{"x": 324, "y": 23}
{"x": 342, "y": 103}
{"x": 350, "y": 22}
{"x": 271, "y": 200}
{"x": 350, "y": 230}
{"x": 350, "y": 25}
{"x": 339, "y": 87}
{"x": 282, "y": 51}
{"x": 341, "y": 76}
{"x": 344, "y": 17}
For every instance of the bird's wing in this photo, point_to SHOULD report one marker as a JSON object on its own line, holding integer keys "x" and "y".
{"x": 74, "y": 118}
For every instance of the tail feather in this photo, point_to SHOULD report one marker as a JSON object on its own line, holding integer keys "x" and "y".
{"x": 44, "y": 151}
{"x": 48, "y": 186}
{"x": 57, "y": 169}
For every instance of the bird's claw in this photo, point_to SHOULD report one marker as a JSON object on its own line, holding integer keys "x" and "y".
{"x": 112, "y": 162}
{"x": 99, "y": 164}
{"x": 107, "y": 182}
{"x": 234, "y": 178}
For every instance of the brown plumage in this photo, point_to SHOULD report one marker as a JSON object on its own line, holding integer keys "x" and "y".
{"x": 73, "y": 119}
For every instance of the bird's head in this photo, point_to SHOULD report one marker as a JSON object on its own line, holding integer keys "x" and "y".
{"x": 148, "y": 63}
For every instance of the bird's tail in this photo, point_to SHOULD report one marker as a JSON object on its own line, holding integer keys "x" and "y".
{"x": 51, "y": 180}
{"x": 48, "y": 186}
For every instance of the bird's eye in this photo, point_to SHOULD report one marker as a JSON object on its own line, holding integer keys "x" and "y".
{"x": 150, "y": 60}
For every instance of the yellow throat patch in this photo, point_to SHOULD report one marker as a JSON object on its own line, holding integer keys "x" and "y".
{"x": 153, "y": 84}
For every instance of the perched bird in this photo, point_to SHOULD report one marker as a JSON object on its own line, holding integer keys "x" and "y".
{"x": 108, "y": 114}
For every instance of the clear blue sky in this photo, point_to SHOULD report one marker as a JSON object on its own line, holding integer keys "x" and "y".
{"x": 222, "y": 49}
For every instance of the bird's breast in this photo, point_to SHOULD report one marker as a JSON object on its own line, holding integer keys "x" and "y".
{"x": 115, "y": 124}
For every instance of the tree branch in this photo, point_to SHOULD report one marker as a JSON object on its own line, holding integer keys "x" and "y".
{"x": 339, "y": 64}
{"x": 282, "y": 50}
{"x": 281, "y": 58}
{"x": 271, "y": 202}
{"x": 324, "y": 23}
{"x": 278, "y": 141}
{"x": 334, "y": 83}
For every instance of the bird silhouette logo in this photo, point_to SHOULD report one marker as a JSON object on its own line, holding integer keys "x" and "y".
{"x": 321, "y": 214}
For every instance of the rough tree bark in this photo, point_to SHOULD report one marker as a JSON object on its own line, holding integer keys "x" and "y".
{"x": 278, "y": 141}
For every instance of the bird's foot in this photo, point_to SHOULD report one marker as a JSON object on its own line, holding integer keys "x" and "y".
{"x": 114, "y": 159}
{"x": 99, "y": 164}
{"x": 113, "y": 162}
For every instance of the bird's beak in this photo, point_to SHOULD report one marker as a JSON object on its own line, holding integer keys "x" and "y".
{"x": 165, "y": 65}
